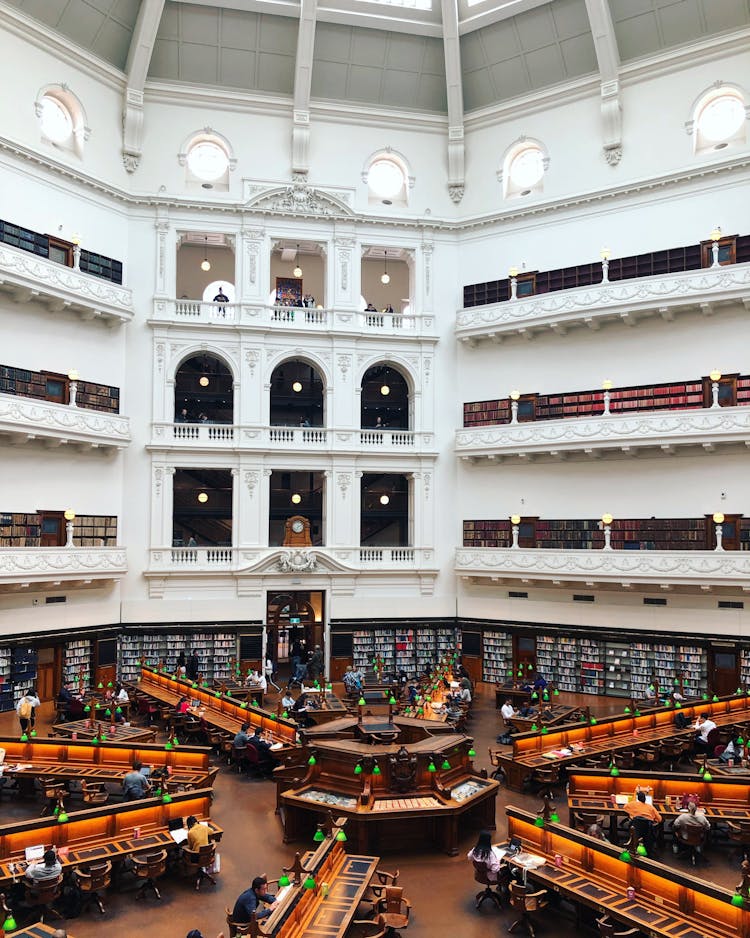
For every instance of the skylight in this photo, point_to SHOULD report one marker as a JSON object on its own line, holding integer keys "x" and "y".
{"x": 408, "y": 4}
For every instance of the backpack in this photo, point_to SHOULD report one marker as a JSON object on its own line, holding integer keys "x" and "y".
{"x": 24, "y": 710}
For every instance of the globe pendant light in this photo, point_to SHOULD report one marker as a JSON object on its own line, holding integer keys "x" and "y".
{"x": 205, "y": 263}
{"x": 297, "y": 272}
{"x": 385, "y": 276}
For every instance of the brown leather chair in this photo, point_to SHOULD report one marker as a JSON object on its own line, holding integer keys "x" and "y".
{"x": 237, "y": 928}
{"x": 546, "y": 779}
{"x": 149, "y": 868}
{"x": 195, "y": 864}
{"x": 93, "y": 794}
{"x": 376, "y": 887}
{"x": 92, "y": 879}
{"x": 583, "y": 821}
{"x": 739, "y": 833}
{"x": 648, "y": 755}
{"x": 362, "y": 928}
{"x": 394, "y": 910}
{"x": 40, "y": 896}
{"x": 482, "y": 875}
{"x": 608, "y": 929}
{"x": 526, "y": 902}
{"x": 692, "y": 838}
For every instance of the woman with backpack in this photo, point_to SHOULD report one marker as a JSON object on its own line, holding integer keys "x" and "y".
{"x": 25, "y": 710}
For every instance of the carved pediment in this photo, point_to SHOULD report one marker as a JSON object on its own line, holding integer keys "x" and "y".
{"x": 299, "y": 561}
{"x": 298, "y": 199}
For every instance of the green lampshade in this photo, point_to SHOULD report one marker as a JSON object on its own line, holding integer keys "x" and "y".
{"x": 625, "y": 856}
{"x": 545, "y": 696}
{"x": 10, "y": 923}
{"x": 544, "y": 731}
{"x": 738, "y": 691}
{"x": 736, "y": 900}
{"x": 309, "y": 883}
{"x": 519, "y": 674}
{"x": 628, "y": 710}
{"x": 678, "y": 705}
{"x": 358, "y": 769}
{"x": 316, "y": 685}
{"x": 166, "y": 798}
{"x": 651, "y": 687}
{"x": 194, "y": 684}
{"x": 57, "y": 810}
{"x": 391, "y": 700}
{"x": 510, "y": 673}
{"x": 675, "y": 681}
{"x": 107, "y": 712}
{"x": 87, "y": 709}
{"x": 99, "y": 686}
{"x": 168, "y": 746}
{"x": 243, "y": 705}
{"x": 118, "y": 711}
{"x": 229, "y": 693}
{"x": 285, "y": 715}
{"x": 109, "y": 683}
{"x": 446, "y": 765}
{"x": 614, "y": 771}
{"x": 707, "y": 777}
{"x": 157, "y": 793}
{"x": 555, "y": 693}
{"x": 641, "y": 851}
{"x": 714, "y": 699}
{"x": 637, "y": 713}
{"x": 32, "y": 733}
{"x": 704, "y": 696}
{"x": 62, "y": 817}
{"x": 534, "y": 727}
{"x": 554, "y": 817}
{"x": 535, "y": 696}
{"x": 471, "y": 753}
{"x": 312, "y": 761}
{"x": 376, "y": 769}
{"x": 593, "y": 721}
{"x": 175, "y": 742}
{"x": 361, "y": 702}
{"x": 319, "y": 836}
{"x": 701, "y": 769}
{"x": 95, "y": 741}
{"x": 104, "y": 737}
{"x": 341, "y": 837}
{"x": 529, "y": 667}
{"x": 741, "y": 740}
{"x": 432, "y": 767}
{"x": 283, "y": 880}
{"x": 204, "y": 684}
{"x": 539, "y": 822}
{"x": 420, "y": 712}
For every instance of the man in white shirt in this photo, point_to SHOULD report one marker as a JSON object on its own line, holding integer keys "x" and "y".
{"x": 703, "y": 726}
{"x": 49, "y": 867}
{"x": 507, "y": 711}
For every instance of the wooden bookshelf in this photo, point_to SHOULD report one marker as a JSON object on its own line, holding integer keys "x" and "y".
{"x": 23, "y": 529}
{"x": 51, "y": 386}
{"x": 487, "y": 533}
{"x": 732, "y": 249}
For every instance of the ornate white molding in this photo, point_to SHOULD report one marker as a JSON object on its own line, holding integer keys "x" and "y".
{"x": 621, "y": 300}
{"x": 31, "y": 278}
{"x": 297, "y": 199}
{"x": 672, "y": 568}
{"x": 40, "y": 564}
{"x": 29, "y": 419}
{"x": 617, "y": 435}
{"x": 298, "y": 561}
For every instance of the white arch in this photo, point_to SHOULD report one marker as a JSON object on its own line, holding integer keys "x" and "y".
{"x": 192, "y": 351}
{"x": 392, "y": 361}
{"x": 72, "y": 103}
{"x": 521, "y": 143}
{"x": 388, "y": 153}
{"x": 713, "y": 91}
{"x": 206, "y": 133}
{"x": 302, "y": 355}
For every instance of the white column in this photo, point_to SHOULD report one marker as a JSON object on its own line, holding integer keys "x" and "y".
{"x": 166, "y": 257}
{"x": 346, "y": 271}
{"x": 252, "y": 266}
{"x": 162, "y": 500}
{"x": 235, "y": 507}
{"x": 342, "y": 496}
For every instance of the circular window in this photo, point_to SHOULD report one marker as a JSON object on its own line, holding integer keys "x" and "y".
{"x": 207, "y": 160}
{"x": 721, "y": 118}
{"x": 55, "y": 120}
{"x": 385, "y": 178}
{"x": 527, "y": 168}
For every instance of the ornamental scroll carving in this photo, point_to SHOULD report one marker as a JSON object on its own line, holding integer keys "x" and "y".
{"x": 298, "y": 561}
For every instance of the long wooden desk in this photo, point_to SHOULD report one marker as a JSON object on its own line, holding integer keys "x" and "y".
{"x": 221, "y": 712}
{"x": 592, "y": 791}
{"x": 552, "y": 716}
{"x": 395, "y": 800}
{"x": 102, "y": 833}
{"x": 667, "y": 902}
{"x": 39, "y": 930}
{"x": 249, "y": 692}
{"x": 108, "y": 762}
{"x": 411, "y": 729}
{"x": 534, "y": 751}
{"x": 83, "y": 729}
{"x": 517, "y": 696}
{"x": 311, "y": 913}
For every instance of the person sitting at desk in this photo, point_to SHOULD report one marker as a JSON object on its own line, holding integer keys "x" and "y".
{"x": 691, "y": 818}
{"x": 413, "y": 694}
{"x": 135, "y": 785}
{"x": 507, "y": 711}
{"x": 197, "y": 834}
{"x": 482, "y": 852}
{"x": 464, "y": 695}
{"x": 734, "y": 751}
{"x": 639, "y": 807}
{"x": 352, "y": 681}
{"x": 183, "y": 705}
{"x": 703, "y": 726}
{"x": 265, "y": 755}
{"x": 539, "y": 682}
{"x": 65, "y": 698}
{"x": 242, "y": 739}
{"x": 253, "y": 677}
{"x": 287, "y": 701}
{"x": 299, "y": 710}
{"x": 49, "y": 867}
{"x": 121, "y": 695}
{"x": 249, "y": 902}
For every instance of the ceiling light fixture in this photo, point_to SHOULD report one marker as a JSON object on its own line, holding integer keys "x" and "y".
{"x": 202, "y": 498}
{"x": 385, "y": 276}
{"x": 297, "y": 272}
{"x": 203, "y": 381}
{"x": 385, "y": 390}
{"x": 296, "y": 498}
{"x": 205, "y": 263}
{"x": 297, "y": 387}
{"x": 384, "y": 499}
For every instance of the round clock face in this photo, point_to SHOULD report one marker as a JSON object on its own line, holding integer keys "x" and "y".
{"x": 298, "y": 527}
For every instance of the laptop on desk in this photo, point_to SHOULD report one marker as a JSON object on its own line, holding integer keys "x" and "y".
{"x": 34, "y": 853}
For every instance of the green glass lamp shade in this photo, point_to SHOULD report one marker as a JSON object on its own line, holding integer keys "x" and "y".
{"x": 625, "y": 856}
{"x": 272, "y": 717}
{"x": 312, "y": 761}
{"x": 283, "y": 880}
{"x": 544, "y": 731}
{"x": 651, "y": 687}
{"x": 529, "y": 667}
{"x": 107, "y": 712}
{"x": 118, "y": 711}
{"x": 104, "y": 737}
{"x": 204, "y": 684}
{"x": 168, "y": 746}
{"x": 704, "y": 696}
{"x": 678, "y": 705}
{"x": 309, "y": 883}
{"x": 175, "y": 742}
{"x": 738, "y": 691}
{"x": 358, "y": 769}
{"x": 519, "y": 674}
{"x": 99, "y": 686}
{"x": 57, "y": 810}
{"x": 701, "y": 769}
{"x": 471, "y": 753}
{"x": 614, "y": 771}
{"x": 741, "y": 740}
{"x": 637, "y": 713}
{"x": 554, "y": 817}
{"x": 109, "y": 683}
{"x": 539, "y": 822}
{"x": 421, "y": 711}
{"x": 510, "y": 673}
{"x": 316, "y": 685}
{"x": 194, "y": 684}
{"x": 376, "y": 769}
{"x": 555, "y": 693}
{"x": 32, "y": 733}
{"x": 95, "y": 741}
{"x": 329, "y": 686}
{"x": 166, "y": 798}
{"x": 361, "y": 702}
{"x": 432, "y": 767}
{"x": 62, "y": 817}
{"x": 675, "y": 682}
{"x": 229, "y": 693}
{"x": 341, "y": 837}
{"x": 535, "y": 696}
{"x": 641, "y": 851}
{"x": 446, "y": 765}
{"x": 628, "y": 710}
{"x": 545, "y": 696}
{"x": 284, "y": 715}
{"x": 243, "y": 705}
{"x": 319, "y": 836}
{"x": 87, "y": 709}
{"x": 714, "y": 699}
{"x": 593, "y": 721}
{"x": 392, "y": 700}
{"x": 736, "y": 900}
{"x": 707, "y": 777}
{"x": 10, "y": 923}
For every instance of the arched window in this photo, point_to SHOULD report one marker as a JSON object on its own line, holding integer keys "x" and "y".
{"x": 297, "y": 395}
{"x": 208, "y": 160}
{"x": 719, "y": 118}
{"x": 384, "y": 399}
{"x": 524, "y": 165}
{"x": 388, "y": 180}
{"x": 203, "y": 391}
{"x": 62, "y": 121}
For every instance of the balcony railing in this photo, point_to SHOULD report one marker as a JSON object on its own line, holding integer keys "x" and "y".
{"x": 288, "y": 319}
{"x": 694, "y": 568}
{"x": 304, "y": 439}
{"x": 660, "y": 431}
{"x": 27, "y": 419}
{"x": 28, "y": 278}
{"x": 27, "y": 565}
{"x": 625, "y": 301}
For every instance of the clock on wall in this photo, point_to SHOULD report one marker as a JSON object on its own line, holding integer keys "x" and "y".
{"x": 297, "y": 532}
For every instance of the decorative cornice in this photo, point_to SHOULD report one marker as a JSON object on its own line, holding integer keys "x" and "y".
{"x": 649, "y": 296}
{"x": 691, "y": 568}
{"x": 33, "y": 277}
{"x": 46, "y": 420}
{"x": 24, "y": 564}
{"x": 622, "y": 434}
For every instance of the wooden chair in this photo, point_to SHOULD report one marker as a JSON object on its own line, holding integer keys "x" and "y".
{"x": 375, "y": 890}
{"x": 692, "y": 837}
{"x": 92, "y": 879}
{"x": 40, "y": 896}
{"x": 93, "y": 794}
{"x": 195, "y": 864}
{"x": 546, "y": 779}
{"x": 149, "y": 868}
{"x": 648, "y": 755}
{"x": 673, "y": 751}
{"x": 49, "y": 789}
{"x": 526, "y": 902}
{"x": 739, "y": 833}
{"x": 378, "y": 923}
{"x": 394, "y": 910}
{"x": 608, "y": 929}
{"x": 237, "y": 928}
{"x": 240, "y": 757}
{"x": 583, "y": 821}
{"x": 482, "y": 875}
{"x": 498, "y": 772}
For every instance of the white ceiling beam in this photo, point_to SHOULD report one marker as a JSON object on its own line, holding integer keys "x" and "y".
{"x": 608, "y": 58}
{"x": 136, "y": 69}
{"x": 455, "y": 94}
{"x": 302, "y": 83}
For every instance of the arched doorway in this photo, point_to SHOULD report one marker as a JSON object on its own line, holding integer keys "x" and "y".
{"x": 297, "y": 394}
{"x": 385, "y": 398}
{"x": 292, "y": 615}
{"x": 203, "y": 391}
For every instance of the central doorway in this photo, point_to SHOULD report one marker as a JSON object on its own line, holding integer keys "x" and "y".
{"x": 290, "y": 616}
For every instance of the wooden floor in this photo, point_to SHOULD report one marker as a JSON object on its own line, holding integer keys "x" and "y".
{"x": 440, "y": 888}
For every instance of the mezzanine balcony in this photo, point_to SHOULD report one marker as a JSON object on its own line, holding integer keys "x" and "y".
{"x": 624, "y": 301}
{"x": 41, "y": 567}
{"x": 663, "y": 569}
{"x": 27, "y": 419}
{"x": 29, "y": 278}
{"x": 293, "y": 320}
{"x": 659, "y": 432}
